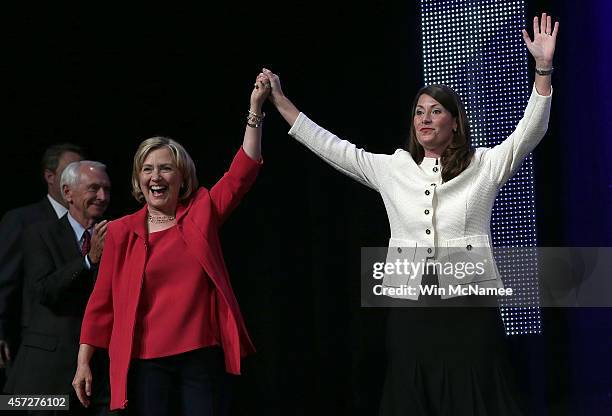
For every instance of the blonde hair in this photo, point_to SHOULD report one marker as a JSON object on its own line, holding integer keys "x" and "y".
{"x": 180, "y": 157}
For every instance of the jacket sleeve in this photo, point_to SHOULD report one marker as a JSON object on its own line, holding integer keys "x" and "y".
{"x": 505, "y": 159}
{"x": 44, "y": 281}
{"x": 11, "y": 257}
{"x": 229, "y": 190}
{"x": 99, "y": 316}
{"x": 365, "y": 167}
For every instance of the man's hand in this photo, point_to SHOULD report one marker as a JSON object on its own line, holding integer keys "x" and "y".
{"x": 97, "y": 241}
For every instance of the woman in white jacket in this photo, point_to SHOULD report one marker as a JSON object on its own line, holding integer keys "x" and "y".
{"x": 439, "y": 196}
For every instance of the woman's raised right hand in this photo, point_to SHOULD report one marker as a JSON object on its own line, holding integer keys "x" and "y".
{"x": 277, "y": 91}
{"x": 284, "y": 106}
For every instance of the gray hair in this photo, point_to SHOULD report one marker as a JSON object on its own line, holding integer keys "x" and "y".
{"x": 72, "y": 174}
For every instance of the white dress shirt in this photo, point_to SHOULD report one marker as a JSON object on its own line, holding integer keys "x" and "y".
{"x": 79, "y": 232}
{"x": 59, "y": 209}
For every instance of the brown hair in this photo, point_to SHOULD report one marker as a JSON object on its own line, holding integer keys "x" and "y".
{"x": 53, "y": 154}
{"x": 180, "y": 157}
{"x": 458, "y": 155}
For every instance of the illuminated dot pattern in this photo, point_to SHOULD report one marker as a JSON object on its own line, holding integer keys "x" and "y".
{"x": 476, "y": 48}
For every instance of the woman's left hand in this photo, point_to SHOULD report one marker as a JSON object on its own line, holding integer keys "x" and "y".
{"x": 261, "y": 90}
{"x": 542, "y": 48}
{"x": 82, "y": 384}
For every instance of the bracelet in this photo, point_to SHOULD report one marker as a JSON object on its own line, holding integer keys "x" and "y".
{"x": 254, "y": 120}
{"x": 259, "y": 116}
{"x": 544, "y": 72}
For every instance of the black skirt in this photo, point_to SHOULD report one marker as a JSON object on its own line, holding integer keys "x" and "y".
{"x": 449, "y": 360}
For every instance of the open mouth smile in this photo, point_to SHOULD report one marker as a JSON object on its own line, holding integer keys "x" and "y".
{"x": 158, "y": 190}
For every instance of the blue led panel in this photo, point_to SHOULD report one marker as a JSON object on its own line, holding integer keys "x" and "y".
{"x": 476, "y": 48}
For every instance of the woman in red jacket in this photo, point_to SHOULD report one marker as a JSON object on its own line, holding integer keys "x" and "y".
{"x": 163, "y": 305}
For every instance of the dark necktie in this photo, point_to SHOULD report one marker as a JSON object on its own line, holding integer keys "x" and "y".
{"x": 86, "y": 243}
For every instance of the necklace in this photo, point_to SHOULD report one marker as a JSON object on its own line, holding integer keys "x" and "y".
{"x": 160, "y": 219}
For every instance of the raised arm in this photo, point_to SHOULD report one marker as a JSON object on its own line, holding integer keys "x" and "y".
{"x": 542, "y": 48}
{"x": 364, "y": 167}
{"x": 229, "y": 190}
{"x": 252, "y": 132}
{"x": 284, "y": 106}
{"x": 506, "y": 158}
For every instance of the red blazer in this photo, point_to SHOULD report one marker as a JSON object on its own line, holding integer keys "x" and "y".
{"x": 111, "y": 311}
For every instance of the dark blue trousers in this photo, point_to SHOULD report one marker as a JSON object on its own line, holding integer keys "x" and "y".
{"x": 189, "y": 384}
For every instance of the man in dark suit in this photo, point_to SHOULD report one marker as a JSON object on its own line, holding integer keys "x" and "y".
{"x": 52, "y": 206}
{"x": 60, "y": 263}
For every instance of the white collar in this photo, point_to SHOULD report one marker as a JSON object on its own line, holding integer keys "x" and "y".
{"x": 77, "y": 228}
{"x": 59, "y": 209}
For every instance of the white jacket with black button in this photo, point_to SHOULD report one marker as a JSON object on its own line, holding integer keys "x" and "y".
{"x": 430, "y": 218}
